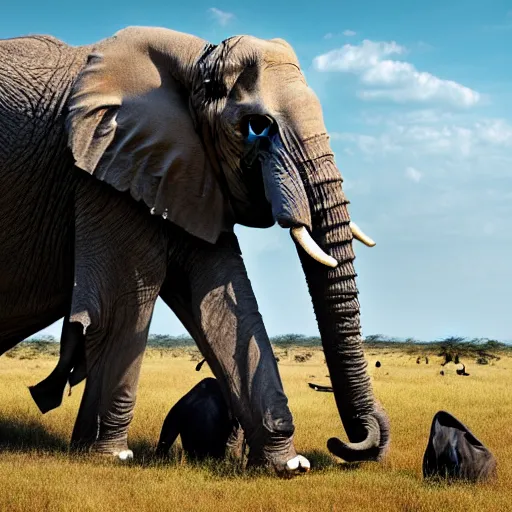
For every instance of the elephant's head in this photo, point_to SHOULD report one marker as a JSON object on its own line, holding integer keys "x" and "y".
{"x": 209, "y": 136}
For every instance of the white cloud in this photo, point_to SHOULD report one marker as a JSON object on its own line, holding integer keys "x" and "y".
{"x": 346, "y": 33}
{"x": 495, "y": 131}
{"x": 415, "y": 133}
{"x": 413, "y": 174}
{"x": 370, "y": 144}
{"x": 395, "y": 80}
{"x": 356, "y": 58}
{"x": 222, "y": 17}
{"x": 417, "y": 116}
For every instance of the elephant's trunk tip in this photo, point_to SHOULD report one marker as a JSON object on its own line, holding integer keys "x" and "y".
{"x": 373, "y": 448}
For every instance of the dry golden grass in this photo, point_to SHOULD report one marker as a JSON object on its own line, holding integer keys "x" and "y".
{"x": 36, "y": 472}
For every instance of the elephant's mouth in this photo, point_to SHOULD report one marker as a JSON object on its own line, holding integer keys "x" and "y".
{"x": 269, "y": 177}
{"x": 284, "y": 190}
{"x": 269, "y": 212}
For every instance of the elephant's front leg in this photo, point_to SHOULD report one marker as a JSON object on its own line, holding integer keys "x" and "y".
{"x": 120, "y": 264}
{"x": 217, "y": 305}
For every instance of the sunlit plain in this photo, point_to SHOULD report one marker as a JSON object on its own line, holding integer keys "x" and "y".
{"x": 37, "y": 473}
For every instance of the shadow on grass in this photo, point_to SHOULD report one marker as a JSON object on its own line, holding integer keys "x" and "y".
{"x": 17, "y": 435}
{"x": 27, "y": 435}
{"x": 144, "y": 452}
{"x": 441, "y": 483}
{"x": 320, "y": 460}
{"x": 324, "y": 461}
{"x": 231, "y": 467}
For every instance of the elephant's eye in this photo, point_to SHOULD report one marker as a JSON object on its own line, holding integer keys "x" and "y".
{"x": 255, "y": 127}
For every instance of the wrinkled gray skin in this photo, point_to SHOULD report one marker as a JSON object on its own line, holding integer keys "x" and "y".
{"x": 158, "y": 119}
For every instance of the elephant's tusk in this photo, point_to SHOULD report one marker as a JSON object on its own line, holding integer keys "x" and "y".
{"x": 303, "y": 238}
{"x": 359, "y": 235}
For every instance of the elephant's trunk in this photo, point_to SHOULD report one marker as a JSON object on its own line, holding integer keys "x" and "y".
{"x": 334, "y": 296}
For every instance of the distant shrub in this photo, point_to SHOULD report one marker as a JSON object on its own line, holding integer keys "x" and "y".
{"x": 166, "y": 341}
{"x": 295, "y": 340}
{"x": 454, "y": 348}
{"x": 302, "y": 358}
{"x": 376, "y": 338}
{"x": 451, "y": 349}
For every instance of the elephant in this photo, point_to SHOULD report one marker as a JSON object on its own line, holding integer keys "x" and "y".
{"x": 124, "y": 167}
{"x": 203, "y": 421}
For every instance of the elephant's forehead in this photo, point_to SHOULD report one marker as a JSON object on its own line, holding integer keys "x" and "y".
{"x": 268, "y": 51}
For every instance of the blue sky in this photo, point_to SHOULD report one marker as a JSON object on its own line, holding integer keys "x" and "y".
{"x": 417, "y": 99}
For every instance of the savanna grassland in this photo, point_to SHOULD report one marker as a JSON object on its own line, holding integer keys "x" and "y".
{"x": 37, "y": 473}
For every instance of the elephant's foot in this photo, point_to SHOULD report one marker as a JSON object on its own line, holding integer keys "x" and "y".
{"x": 298, "y": 464}
{"x": 295, "y": 466}
{"x": 48, "y": 393}
{"x": 116, "y": 450}
{"x": 123, "y": 455}
{"x": 283, "y": 459}
{"x": 285, "y": 468}
{"x": 119, "y": 453}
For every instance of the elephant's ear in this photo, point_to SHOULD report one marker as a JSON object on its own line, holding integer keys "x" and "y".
{"x": 129, "y": 125}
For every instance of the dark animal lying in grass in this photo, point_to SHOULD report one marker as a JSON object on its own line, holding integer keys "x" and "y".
{"x": 316, "y": 387}
{"x": 453, "y": 452}
{"x": 203, "y": 421}
{"x": 462, "y": 371}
